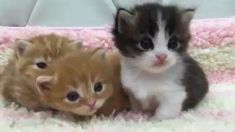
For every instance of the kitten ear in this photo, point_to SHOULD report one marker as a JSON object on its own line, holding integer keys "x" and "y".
{"x": 44, "y": 84}
{"x": 76, "y": 44}
{"x": 21, "y": 46}
{"x": 125, "y": 20}
{"x": 187, "y": 15}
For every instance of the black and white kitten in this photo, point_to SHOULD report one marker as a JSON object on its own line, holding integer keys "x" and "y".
{"x": 156, "y": 70}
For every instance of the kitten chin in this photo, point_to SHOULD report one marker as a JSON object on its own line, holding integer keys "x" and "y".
{"x": 154, "y": 38}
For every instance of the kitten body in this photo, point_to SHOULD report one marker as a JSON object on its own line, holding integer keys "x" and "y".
{"x": 86, "y": 82}
{"x": 156, "y": 70}
{"x": 119, "y": 100}
{"x": 32, "y": 58}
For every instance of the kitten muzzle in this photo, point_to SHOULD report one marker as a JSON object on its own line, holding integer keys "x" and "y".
{"x": 91, "y": 104}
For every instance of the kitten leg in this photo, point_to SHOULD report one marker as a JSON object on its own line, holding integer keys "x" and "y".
{"x": 170, "y": 105}
{"x": 134, "y": 104}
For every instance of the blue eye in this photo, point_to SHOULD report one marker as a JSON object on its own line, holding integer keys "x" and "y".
{"x": 173, "y": 43}
{"x": 41, "y": 65}
{"x": 73, "y": 96}
{"x": 145, "y": 44}
{"x": 98, "y": 87}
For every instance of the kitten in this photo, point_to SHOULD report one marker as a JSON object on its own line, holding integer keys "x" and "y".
{"x": 31, "y": 59}
{"x": 119, "y": 100}
{"x": 86, "y": 82}
{"x": 156, "y": 70}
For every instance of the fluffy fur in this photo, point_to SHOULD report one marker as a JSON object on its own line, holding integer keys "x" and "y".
{"x": 157, "y": 72}
{"x": 32, "y": 58}
{"x": 80, "y": 72}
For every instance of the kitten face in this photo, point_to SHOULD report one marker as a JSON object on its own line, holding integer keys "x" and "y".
{"x": 152, "y": 37}
{"x": 81, "y": 84}
{"x": 35, "y": 56}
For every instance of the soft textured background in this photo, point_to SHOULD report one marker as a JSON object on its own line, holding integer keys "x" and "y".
{"x": 71, "y": 13}
{"x": 212, "y": 44}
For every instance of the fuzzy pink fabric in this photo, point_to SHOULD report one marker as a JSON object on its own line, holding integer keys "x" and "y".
{"x": 213, "y": 33}
{"x": 212, "y": 45}
{"x": 205, "y": 34}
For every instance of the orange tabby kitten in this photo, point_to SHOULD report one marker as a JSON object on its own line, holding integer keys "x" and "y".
{"x": 32, "y": 58}
{"x": 86, "y": 82}
{"x": 119, "y": 101}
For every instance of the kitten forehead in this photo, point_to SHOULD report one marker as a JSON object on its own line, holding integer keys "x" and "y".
{"x": 160, "y": 22}
{"x": 161, "y": 36}
{"x": 166, "y": 20}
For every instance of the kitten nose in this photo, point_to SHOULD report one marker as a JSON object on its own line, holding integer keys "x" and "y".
{"x": 91, "y": 103}
{"x": 161, "y": 56}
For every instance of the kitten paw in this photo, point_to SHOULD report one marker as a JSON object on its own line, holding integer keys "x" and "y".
{"x": 165, "y": 115}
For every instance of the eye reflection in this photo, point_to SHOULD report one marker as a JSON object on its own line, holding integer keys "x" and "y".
{"x": 173, "y": 43}
{"x": 41, "y": 65}
{"x": 145, "y": 44}
{"x": 73, "y": 96}
{"x": 98, "y": 87}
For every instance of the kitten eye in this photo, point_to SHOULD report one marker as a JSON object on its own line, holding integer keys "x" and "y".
{"x": 173, "y": 43}
{"x": 73, "y": 96}
{"x": 145, "y": 44}
{"x": 98, "y": 87}
{"x": 41, "y": 65}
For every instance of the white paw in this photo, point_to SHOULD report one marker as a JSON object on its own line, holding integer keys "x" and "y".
{"x": 164, "y": 115}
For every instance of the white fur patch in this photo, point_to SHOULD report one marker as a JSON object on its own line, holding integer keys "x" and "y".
{"x": 162, "y": 82}
{"x": 166, "y": 87}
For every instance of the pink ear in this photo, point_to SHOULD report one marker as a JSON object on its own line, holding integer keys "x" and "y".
{"x": 43, "y": 84}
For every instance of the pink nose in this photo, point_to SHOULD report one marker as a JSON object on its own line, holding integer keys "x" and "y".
{"x": 161, "y": 57}
{"x": 91, "y": 103}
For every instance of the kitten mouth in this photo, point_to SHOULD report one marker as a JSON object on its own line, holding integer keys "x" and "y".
{"x": 159, "y": 63}
{"x": 92, "y": 108}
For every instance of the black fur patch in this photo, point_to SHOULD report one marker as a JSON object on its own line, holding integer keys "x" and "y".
{"x": 195, "y": 82}
{"x": 146, "y": 25}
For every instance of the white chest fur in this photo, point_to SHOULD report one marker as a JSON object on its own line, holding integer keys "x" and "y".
{"x": 165, "y": 87}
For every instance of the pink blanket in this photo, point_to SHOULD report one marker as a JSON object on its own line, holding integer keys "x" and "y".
{"x": 206, "y": 35}
{"x": 212, "y": 44}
